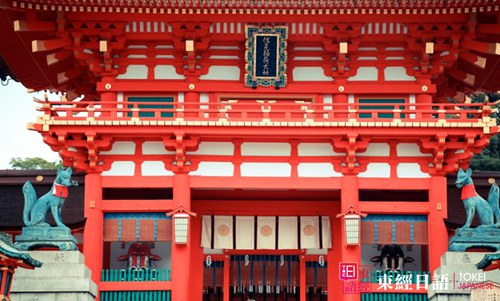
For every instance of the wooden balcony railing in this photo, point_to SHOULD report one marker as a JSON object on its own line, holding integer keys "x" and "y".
{"x": 266, "y": 112}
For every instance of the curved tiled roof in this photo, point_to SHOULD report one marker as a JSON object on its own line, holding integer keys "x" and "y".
{"x": 7, "y": 249}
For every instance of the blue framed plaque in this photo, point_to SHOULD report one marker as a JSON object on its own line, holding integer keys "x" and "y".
{"x": 266, "y": 56}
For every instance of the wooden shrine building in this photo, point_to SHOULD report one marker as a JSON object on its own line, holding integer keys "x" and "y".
{"x": 271, "y": 147}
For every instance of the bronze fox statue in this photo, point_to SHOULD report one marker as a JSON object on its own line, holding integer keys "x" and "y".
{"x": 35, "y": 210}
{"x": 487, "y": 211}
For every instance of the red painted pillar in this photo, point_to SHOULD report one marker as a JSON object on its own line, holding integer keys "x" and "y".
{"x": 334, "y": 257}
{"x": 225, "y": 277}
{"x": 302, "y": 278}
{"x": 438, "y": 235}
{"x": 191, "y": 104}
{"x": 349, "y": 196}
{"x": 196, "y": 276}
{"x": 181, "y": 263}
{"x": 340, "y": 104}
{"x": 93, "y": 231}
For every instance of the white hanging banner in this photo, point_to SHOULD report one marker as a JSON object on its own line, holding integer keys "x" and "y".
{"x": 266, "y": 232}
{"x": 287, "y": 233}
{"x": 223, "y": 232}
{"x": 245, "y": 237}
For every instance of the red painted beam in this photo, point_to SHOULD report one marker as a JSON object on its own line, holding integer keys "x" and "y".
{"x": 135, "y": 286}
{"x": 45, "y": 45}
{"x": 56, "y": 57}
{"x": 265, "y": 183}
{"x": 394, "y": 184}
{"x": 475, "y": 60}
{"x": 488, "y": 28}
{"x": 292, "y": 88}
{"x": 483, "y": 47}
{"x": 394, "y": 207}
{"x": 25, "y": 25}
{"x": 137, "y": 205}
{"x": 136, "y": 182}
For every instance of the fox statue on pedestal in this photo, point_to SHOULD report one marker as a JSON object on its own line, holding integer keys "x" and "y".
{"x": 487, "y": 211}
{"x": 35, "y": 210}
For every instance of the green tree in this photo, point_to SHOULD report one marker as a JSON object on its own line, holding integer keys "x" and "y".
{"x": 33, "y": 163}
{"x": 489, "y": 159}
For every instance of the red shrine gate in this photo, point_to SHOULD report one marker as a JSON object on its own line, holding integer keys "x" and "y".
{"x": 253, "y": 112}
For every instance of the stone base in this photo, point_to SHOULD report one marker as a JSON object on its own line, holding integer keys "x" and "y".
{"x": 481, "y": 237}
{"x": 38, "y": 237}
{"x": 460, "y": 267}
{"x": 63, "y": 277}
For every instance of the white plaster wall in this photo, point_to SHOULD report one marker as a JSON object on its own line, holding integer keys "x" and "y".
{"x": 222, "y": 73}
{"x": 317, "y": 170}
{"x": 265, "y": 149}
{"x": 214, "y": 169}
{"x": 377, "y": 170}
{"x": 410, "y": 170}
{"x": 154, "y": 168}
{"x": 310, "y": 74}
{"x": 376, "y": 149}
{"x": 266, "y": 170}
{"x": 120, "y": 168}
{"x": 317, "y": 150}
{"x": 397, "y": 74}
{"x": 214, "y": 148}
{"x": 162, "y": 249}
{"x": 365, "y": 74}
{"x": 410, "y": 150}
{"x": 121, "y": 148}
{"x": 135, "y": 72}
{"x": 155, "y": 148}
{"x": 167, "y": 72}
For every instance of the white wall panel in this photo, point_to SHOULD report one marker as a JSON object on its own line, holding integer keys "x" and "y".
{"x": 167, "y": 72}
{"x": 121, "y": 148}
{"x": 154, "y": 168}
{"x": 410, "y": 170}
{"x": 266, "y": 170}
{"x": 310, "y": 74}
{"x": 377, "y": 170}
{"x": 376, "y": 149}
{"x": 410, "y": 150}
{"x": 120, "y": 168}
{"x": 135, "y": 72}
{"x": 222, "y": 73}
{"x": 214, "y": 169}
{"x": 317, "y": 170}
{"x": 155, "y": 148}
{"x": 214, "y": 148}
{"x": 265, "y": 149}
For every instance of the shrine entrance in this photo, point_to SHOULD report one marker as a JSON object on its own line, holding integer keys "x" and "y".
{"x": 269, "y": 277}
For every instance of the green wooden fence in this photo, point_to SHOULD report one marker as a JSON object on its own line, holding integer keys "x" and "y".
{"x": 393, "y": 297}
{"x": 135, "y": 275}
{"x": 136, "y": 296}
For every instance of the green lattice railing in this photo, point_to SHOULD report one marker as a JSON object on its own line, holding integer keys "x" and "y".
{"x": 135, "y": 275}
{"x": 393, "y": 297}
{"x": 136, "y": 296}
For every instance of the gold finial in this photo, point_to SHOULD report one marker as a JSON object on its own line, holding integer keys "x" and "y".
{"x": 491, "y": 181}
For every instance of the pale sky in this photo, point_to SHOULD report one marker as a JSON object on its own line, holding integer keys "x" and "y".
{"x": 17, "y": 109}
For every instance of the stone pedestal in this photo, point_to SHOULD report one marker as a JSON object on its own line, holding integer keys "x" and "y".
{"x": 38, "y": 237}
{"x": 463, "y": 275}
{"x": 63, "y": 277}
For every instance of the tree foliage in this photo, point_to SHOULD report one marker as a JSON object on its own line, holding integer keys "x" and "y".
{"x": 489, "y": 159}
{"x": 33, "y": 163}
